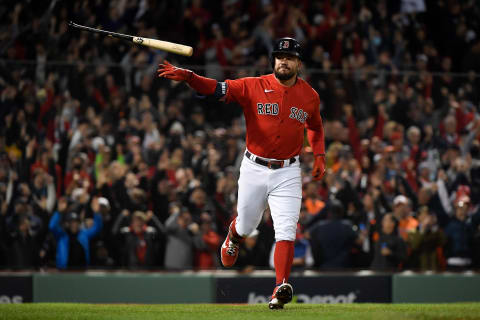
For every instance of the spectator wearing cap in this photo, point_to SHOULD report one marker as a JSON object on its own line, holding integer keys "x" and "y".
{"x": 459, "y": 232}
{"x": 426, "y": 243}
{"x": 73, "y": 240}
{"x": 390, "y": 249}
{"x": 139, "y": 242}
{"x": 402, "y": 212}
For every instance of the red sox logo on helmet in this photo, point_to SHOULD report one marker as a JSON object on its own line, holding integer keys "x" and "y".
{"x": 285, "y": 45}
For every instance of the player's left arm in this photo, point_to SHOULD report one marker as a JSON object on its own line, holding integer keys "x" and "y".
{"x": 316, "y": 138}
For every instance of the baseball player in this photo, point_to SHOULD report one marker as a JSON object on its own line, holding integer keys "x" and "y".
{"x": 277, "y": 108}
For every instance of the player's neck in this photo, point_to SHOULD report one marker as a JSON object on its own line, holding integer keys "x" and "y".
{"x": 289, "y": 82}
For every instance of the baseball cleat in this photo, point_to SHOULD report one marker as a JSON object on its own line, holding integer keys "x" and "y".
{"x": 229, "y": 250}
{"x": 282, "y": 294}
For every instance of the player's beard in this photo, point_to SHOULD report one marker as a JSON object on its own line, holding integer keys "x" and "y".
{"x": 286, "y": 75}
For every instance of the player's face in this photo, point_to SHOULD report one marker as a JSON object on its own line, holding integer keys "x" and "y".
{"x": 286, "y": 66}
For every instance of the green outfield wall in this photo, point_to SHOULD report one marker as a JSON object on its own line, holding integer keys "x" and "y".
{"x": 220, "y": 287}
{"x": 123, "y": 288}
{"x": 435, "y": 288}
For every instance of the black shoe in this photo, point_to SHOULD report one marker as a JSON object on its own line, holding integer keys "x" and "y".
{"x": 282, "y": 294}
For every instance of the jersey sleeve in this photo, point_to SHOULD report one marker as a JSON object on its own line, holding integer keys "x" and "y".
{"x": 237, "y": 91}
{"x": 315, "y": 132}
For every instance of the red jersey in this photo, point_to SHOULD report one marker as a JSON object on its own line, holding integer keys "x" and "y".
{"x": 276, "y": 115}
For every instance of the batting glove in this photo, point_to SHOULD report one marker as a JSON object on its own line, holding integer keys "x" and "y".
{"x": 169, "y": 71}
{"x": 318, "y": 167}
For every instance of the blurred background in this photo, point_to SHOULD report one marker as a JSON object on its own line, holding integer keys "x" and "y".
{"x": 106, "y": 166}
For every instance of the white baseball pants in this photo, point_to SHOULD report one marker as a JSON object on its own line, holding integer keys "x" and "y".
{"x": 280, "y": 188}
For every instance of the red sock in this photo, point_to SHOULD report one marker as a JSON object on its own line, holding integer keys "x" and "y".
{"x": 234, "y": 236}
{"x": 283, "y": 258}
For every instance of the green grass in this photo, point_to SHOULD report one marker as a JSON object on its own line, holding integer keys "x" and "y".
{"x": 242, "y": 312}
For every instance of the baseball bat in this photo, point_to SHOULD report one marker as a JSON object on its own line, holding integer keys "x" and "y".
{"x": 148, "y": 42}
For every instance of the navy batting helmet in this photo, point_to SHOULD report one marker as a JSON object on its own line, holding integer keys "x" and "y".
{"x": 288, "y": 46}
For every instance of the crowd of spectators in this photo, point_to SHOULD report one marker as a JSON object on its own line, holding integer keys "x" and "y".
{"x": 103, "y": 165}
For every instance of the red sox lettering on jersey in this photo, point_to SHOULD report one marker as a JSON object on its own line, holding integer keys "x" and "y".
{"x": 275, "y": 115}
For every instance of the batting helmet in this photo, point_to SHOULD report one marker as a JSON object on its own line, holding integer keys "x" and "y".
{"x": 288, "y": 46}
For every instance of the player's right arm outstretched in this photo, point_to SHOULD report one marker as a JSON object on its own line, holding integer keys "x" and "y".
{"x": 202, "y": 85}
{"x": 228, "y": 91}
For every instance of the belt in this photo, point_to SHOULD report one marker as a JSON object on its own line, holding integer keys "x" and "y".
{"x": 272, "y": 164}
